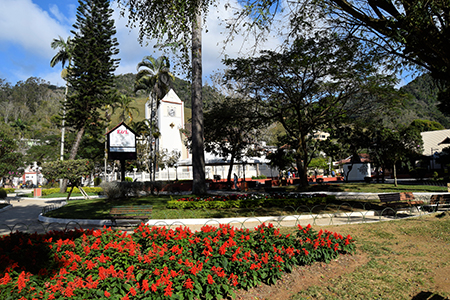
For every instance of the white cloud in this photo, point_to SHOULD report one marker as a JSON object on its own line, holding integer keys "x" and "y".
{"x": 26, "y": 24}
{"x": 28, "y": 30}
{"x": 58, "y": 14}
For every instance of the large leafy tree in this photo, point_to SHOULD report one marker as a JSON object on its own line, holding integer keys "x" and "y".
{"x": 389, "y": 146}
{"x": 178, "y": 24}
{"x": 232, "y": 129}
{"x": 414, "y": 33}
{"x": 316, "y": 83}
{"x": 71, "y": 170}
{"x": 91, "y": 76}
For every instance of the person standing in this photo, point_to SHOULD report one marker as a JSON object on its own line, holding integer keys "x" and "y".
{"x": 235, "y": 181}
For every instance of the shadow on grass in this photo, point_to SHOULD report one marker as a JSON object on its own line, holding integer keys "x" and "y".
{"x": 427, "y": 296}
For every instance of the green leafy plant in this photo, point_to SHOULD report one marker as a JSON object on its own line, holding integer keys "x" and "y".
{"x": 97, "y": 181}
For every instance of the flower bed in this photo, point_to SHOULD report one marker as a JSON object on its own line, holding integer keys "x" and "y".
{"x": 155, "y": 262}
{"x": 250, "y": 200}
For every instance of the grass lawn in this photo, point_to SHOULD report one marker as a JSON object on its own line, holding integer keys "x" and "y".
{"x": 404, "y": 259}
{"x": 99, "y": 208}
{"x": 370, "y": 188}
{"x": 407, "y": 259}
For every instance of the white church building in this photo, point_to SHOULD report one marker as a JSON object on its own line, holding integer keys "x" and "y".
{"x": 171, "y": 124}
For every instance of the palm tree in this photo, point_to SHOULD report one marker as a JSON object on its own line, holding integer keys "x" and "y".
{"x": 154, "y": 78}
{"x": 126, "y": 110}
{"x": 64, "y": 55}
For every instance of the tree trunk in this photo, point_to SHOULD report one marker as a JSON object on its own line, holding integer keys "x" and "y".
{"x": 395, "y": 175}
{"x": 230, "y": 170}
{"x": 198, "y": 155}
{"x": 73, "y": 154}
{"x": 302, "y": 172}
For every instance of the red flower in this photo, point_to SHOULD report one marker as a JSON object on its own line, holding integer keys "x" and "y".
{"x": 21, "y": 281}
{"x": 107, "y": 294}
{"x": 133, "y": 291}
{"x": 168, "y": 290}
{"x": 5, "y": 279}
{"x": 145, "y": 286}
{"x": 188, "y": 284}
{"x": 154, "y": 287}
{"x": 210, "y": 279}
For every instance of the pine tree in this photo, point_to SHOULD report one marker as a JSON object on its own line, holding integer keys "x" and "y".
{"x": 91, "y": 77}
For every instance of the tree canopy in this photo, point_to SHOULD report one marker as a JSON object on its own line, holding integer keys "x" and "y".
{"x": 411, "y": 34}
{"x": 232, "y": 129}
{"x": 318, "y": 82}
{"x": 415, "y": 31}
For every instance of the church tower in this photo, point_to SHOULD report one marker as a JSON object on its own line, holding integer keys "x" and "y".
{"x": 170, "y": 116}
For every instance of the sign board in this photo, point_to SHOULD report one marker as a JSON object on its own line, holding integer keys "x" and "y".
{"x": 121, "y": 143}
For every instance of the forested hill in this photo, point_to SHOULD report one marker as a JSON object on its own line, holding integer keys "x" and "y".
{"x": 422, "y": 103}
{"x": 28, "y": 108}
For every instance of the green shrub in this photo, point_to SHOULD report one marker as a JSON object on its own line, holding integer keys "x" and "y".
{"x": 97, "y": 181}
{"x": 9, "y": 190}
{"x": 87, "y": 189}
{"x": 46, "y": 192}
{"x": 128, "y": 179}
{"x": 3, "y": 193}
{"x": 259, "y": 177}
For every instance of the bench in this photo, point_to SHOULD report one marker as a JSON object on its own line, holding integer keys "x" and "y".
{"x": 138, "y": 212}
{"x": 442, "y": 199}
{"x": 399, "y": 199}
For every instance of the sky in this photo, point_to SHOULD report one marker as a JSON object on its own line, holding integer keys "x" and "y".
{"x": 27, "y": 28}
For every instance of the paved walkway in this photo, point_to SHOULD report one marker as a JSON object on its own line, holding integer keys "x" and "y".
{"x": 24, "y": 215}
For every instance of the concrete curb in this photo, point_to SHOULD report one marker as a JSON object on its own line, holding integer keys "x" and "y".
{"x": 6, "y": 208}
{"x": 200, "y": 222}
{"x": 43, "y": 219}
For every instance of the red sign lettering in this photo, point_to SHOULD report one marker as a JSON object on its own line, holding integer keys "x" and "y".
{"x": 122, "y": 131}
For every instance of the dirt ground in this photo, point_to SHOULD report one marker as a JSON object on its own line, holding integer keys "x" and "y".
{"x": 416, "y": 253}
{"x": 303, "y": 277}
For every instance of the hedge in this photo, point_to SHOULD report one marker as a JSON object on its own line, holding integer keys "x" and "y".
{"x": 247, "y": 203}
{"x": 87, "y": 189}
{"x": 10, "y": 190}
